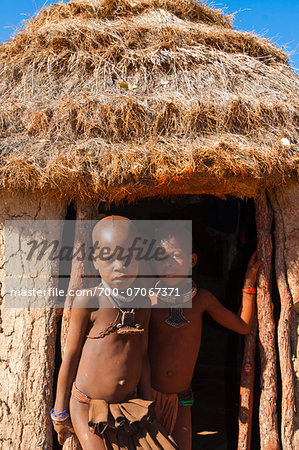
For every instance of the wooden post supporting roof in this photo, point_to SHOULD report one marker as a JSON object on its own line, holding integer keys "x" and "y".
{"x": 284, "y": 332}
{"x": 84, "y": 212}
{"x": 267, "y": 411}
{"x": 246, "y": 389}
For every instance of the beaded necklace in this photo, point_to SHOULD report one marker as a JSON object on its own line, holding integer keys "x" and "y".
{"x": 176, "y": 317}
{"x": 124, "y": 321}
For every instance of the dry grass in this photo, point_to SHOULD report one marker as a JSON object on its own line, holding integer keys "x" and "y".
{"x": 206, "y": 112}
{"x": 143, "y": 32}
{"x": 124, "y": 118}
{"x": 111, "y": 9}
{"x": 94, "y": 170}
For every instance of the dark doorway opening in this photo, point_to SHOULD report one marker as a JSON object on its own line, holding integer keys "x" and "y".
{"x": 224, "y": 237}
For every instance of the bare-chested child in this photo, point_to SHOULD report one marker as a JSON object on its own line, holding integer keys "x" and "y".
{"x": 104, "y": 377}
{"x": 175, "y": 334}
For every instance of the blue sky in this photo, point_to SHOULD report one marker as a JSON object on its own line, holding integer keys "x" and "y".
{"x": 275, "y": 19}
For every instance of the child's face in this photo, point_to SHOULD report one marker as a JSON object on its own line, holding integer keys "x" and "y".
{"x": 114, "y": 265}
{"x": 178, "y": 263}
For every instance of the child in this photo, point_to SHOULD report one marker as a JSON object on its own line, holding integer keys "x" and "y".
{"x": 175, "y": 333}
{"x": 106, "y": 355}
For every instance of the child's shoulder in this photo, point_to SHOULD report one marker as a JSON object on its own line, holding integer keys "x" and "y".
{"x": 202, "y": 292}
{"x": 202, "y": 298}
{"x": 86, "y": 299}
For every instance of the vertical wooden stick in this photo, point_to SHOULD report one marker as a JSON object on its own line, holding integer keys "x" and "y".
{"x": 246, "y": 389}
{"x": 84, "y": 212}
{"x": 267, "y": 411}
{"x": 284, "y": 332}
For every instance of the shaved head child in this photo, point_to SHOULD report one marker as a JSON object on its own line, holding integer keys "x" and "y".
{"x": 103, "y": 388}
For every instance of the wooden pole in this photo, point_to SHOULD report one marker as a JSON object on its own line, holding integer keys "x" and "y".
{"x": 284, "y": 332}
{"x": 269, "y": 437}
{"x": 246, "y": 389}
{"x": 84, "y": 212}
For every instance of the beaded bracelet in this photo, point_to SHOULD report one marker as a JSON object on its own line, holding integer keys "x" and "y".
{"x": 59, "y": 417}
{"x": 58, "y": 421}
{"x": 59, "y": 414}
{"x": 249, "y": 291}
{"x": 61, "y": 421}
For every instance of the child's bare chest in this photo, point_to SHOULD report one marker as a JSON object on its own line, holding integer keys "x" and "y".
{"x": 104, "y": 338}
{"x": 162, "y": 325}
{"x": 106, "y": 320}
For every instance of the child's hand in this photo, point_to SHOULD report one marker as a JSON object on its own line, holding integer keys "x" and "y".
{"x": 252, "y": 270}
{"x": 62, "y": 429}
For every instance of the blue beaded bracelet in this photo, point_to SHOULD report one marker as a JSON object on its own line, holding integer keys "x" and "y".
{"x": 59, "y": 415}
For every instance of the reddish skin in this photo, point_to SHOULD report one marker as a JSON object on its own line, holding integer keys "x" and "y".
{"x": 110, "y": 368}
{"x": 173, "y": 351}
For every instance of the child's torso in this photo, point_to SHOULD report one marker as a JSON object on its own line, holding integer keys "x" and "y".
{"x": 110, "y": 367}
{"x": 173, "y": 351}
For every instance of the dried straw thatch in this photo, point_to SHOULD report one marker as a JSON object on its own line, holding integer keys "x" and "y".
{"x": 113, "y": 99}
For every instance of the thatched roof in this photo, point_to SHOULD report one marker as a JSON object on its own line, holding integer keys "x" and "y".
{"x": 114, "y": 99}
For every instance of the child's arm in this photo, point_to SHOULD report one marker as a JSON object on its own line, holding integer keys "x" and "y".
{"x": 241, "y": 323}
{"x": 144, "y": 386}
{"x": 67, "y": 372}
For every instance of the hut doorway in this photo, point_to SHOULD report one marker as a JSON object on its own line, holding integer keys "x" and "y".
{"x": 224, "y": 235}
